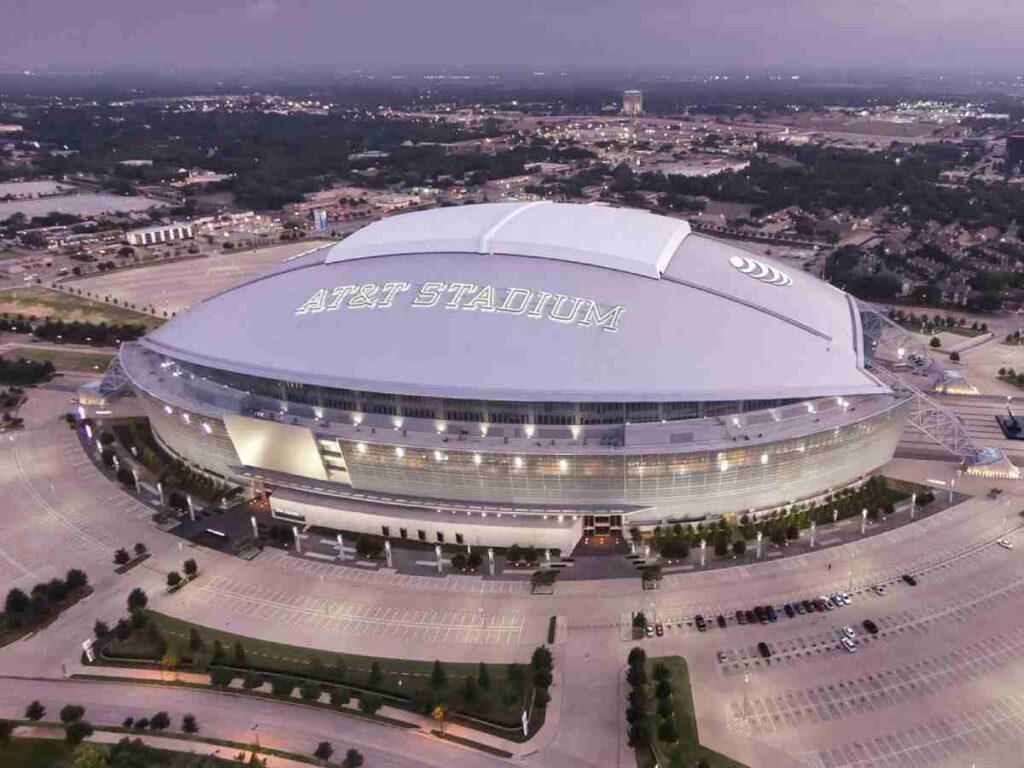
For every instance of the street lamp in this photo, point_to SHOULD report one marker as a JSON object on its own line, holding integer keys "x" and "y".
{"x": 256, "y": 734}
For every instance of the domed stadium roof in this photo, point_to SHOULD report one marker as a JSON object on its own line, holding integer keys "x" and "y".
{"x": 533, "y": 302}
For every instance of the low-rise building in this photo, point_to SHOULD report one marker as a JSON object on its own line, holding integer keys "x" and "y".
{"x": 161, "y": 233}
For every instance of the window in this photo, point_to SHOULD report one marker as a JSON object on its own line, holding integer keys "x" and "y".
{"x": 385, "y": 531}
{"x": 403, "y": 533}
{"x": 458, "y": 539}
{"x": 422, "y": 534}
{"x": 440, "y": 537}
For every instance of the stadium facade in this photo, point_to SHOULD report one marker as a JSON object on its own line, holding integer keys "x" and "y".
{"x": 521, "y": 373}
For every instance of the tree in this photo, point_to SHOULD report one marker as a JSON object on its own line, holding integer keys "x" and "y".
{"x": 173, "y": 579}
{"x": 159, "y": 721}
{"x": 76, "y": 579}
{"x": 71, "y": 712}
{"x": 93, "y": 756}
{"x": 35, "y": 711}
{"x": 438, "y": 678}
{"x": 639, "y": 620}
{"x": 375, "y": 675}
{"x": 76, "y": 732}
{"x": 954, "y": 356}
{"x": 121, "y": 557}
{"x": 6, "y": 729}
{"x": 100, "y": 629}
{"x": 238, "y": 654}
{"x": 195, "y": 640}
{"x": 137, "y": 600}
{"x": 189, "y": 724}
{"x": 739, "y": 547}
{"x": 935, "y": 343}
{"x": 140, "y": 549}
{"x": 459, "y": 561}
{"x": 221, "y": 678}
{"x": 16, "y": 602}
{"x": 353, "y": 759}
{"x": 190, "y": 568}
{"x": 340, "y": 696}
{"x": 474, "y": 560}
{"x": 483, "y": 677}
{"x": 667, "y": 731}
{"x": 323, "y": 751}
{"x": 637, "y": 657}
{"x": 218, "y": 653}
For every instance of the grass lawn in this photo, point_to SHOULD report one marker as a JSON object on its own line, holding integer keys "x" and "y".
{"x": 688, "y": 749}
{"x": 34, "y": 300}
{"x": 400, "y": 677}
{"x": 64, "y": 359}
{"x": 35, "y": 753}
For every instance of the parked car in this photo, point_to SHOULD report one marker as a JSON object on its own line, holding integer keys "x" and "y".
{"x": 721, "y": 621}
{"x": 764, "y": 650}
{"x": 808, "y": 606}
{"x": 659, "y": 630}
{"x": 846, "y": 598}
{"x": 909, "y": 579}
{"x": 870, "y": 626}
{"x": 751, "y": 618}
{"x": 649, "y": 630}
{"x": 848, "y": 632}
{"x": 1005, "y": 543}
{"x": 819, "y": 605}
{"x": 789, "y": 610}
{"x": 741, "y": 617}
{"x": 849, "y": 645}
{"x": 702, "y": 625}
{"x": 772, "y": 615}
{"x": 760, "y": 614}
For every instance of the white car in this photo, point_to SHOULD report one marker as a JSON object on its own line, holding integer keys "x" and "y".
{"x": 849, "y": 645}
{"x": 846, "y": 597}
{"x": 849, "y": 633}
{"x": 1005, "y": 543}
{"x": 827, "y": 601}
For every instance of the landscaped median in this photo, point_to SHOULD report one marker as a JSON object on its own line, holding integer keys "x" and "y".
{"x": 662, "y": 724}
{"x": 26, "y": 613}
{"x": 485, "y": 697}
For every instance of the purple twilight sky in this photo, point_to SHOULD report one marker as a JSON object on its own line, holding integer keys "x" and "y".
{"x": 693, "y": 35}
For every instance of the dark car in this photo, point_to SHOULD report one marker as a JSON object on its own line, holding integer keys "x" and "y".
{"x": 909, "y": 579}
{"x": 772, "y": 615}
{"x": 762, "y": 617}
{"x": 808, "y": 606}
{"x": 751, "y": 618}
{"x": 870, "y": 627}
{"x": 721, "y": 621}
{"x": 819, "y": 605}
{"x": 741, "y": 617}
{"x": 789, "y": 610}
{"x": 659, "y": 630}
{"x": 701, "y": 624}
{"x": 764, "y": 650}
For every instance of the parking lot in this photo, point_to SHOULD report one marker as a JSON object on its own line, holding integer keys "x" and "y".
{"x": 332, "y": 616}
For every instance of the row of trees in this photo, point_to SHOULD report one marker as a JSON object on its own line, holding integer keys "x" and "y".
{"x": 22, "y": 609}
{"x": 676, "y": 541}
{"x": 97, "y": 334}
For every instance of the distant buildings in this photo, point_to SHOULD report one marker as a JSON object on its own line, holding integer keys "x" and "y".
{"x": 632, "y": 103}
{"x": 163, "y": 233}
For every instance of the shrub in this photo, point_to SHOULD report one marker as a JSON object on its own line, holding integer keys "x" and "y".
{"x": 667, "y": 731}
{"x": 369, "y": 703}
{"x": 189, "y": 724}
{"x": 282, "y": 686}
{"x": 220, "y": 677}
{"x": 16, "y": 602}
{"x": 310, "y": 691}
{"x": 252, "y": 680}
{"x": 35, "y": 711}
{"x": 173, "y": 579}
{"x": 739, "y": 547}
{"x": 190, "y": 568}
{"x": 100, "y": 629}
{"x": 353, "y": 759}
{"x": 459, "y": 561}
{"x": 141, "y": 724}
{"x": 474, "y": 560}
{"x": 121, "y": 557}
{"x": 159, "y": 721}
{"x": 140, "y": 549}
{"x": 340, "y": 696}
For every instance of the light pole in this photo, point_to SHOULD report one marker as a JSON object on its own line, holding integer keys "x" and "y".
{"x": 256, "y": 734}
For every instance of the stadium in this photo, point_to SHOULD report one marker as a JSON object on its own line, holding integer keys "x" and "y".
{"x": 526, "y": 373}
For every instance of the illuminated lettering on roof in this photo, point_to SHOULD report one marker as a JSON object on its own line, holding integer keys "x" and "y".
{"x": 466, "y": 297}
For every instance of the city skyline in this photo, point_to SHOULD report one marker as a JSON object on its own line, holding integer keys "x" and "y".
{"x": 267, "y": 35}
